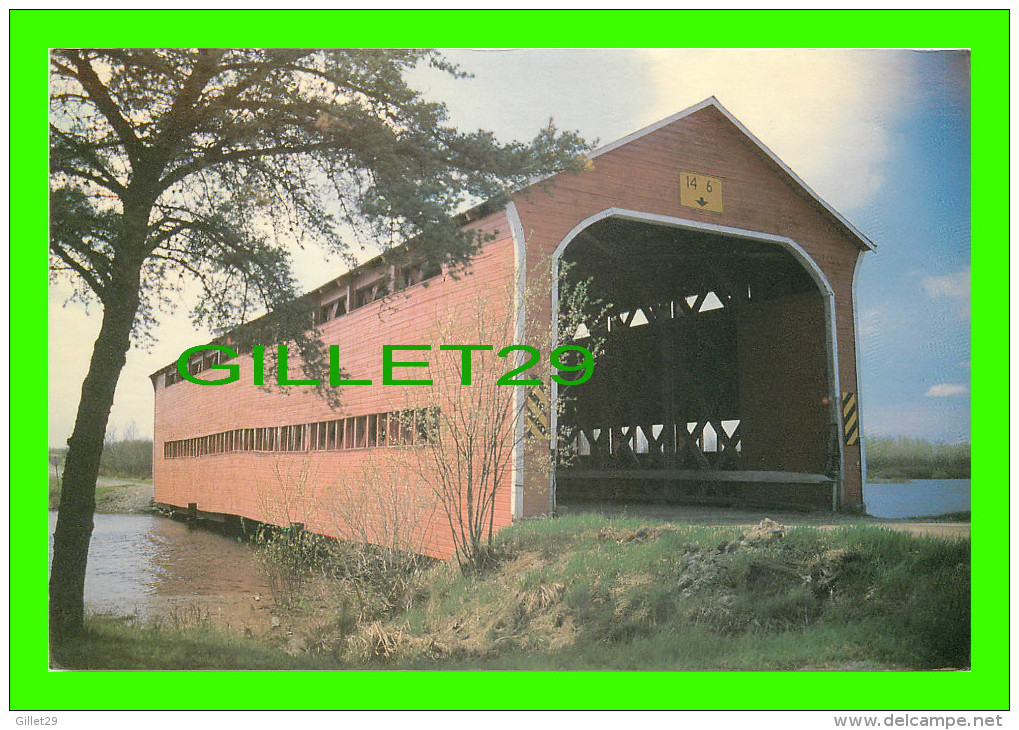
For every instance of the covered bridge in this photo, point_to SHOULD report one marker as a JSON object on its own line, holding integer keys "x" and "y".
{"x": 729, "y": 370}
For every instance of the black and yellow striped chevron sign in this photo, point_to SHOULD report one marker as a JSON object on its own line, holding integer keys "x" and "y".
{"x": 537, "y": 412}
{"x": 850, "y": 419}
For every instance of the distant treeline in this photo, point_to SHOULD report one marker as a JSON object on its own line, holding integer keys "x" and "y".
{"x": 907, "y": 458}
{"x": 130, "y": 458}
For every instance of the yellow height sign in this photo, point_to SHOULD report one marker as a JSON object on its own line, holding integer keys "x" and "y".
{"x": 537, "y": 412}
{"x": 850, "y": 418}
{"x": 700, "y": 191}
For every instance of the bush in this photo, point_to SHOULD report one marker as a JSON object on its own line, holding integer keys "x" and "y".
{"x": 906, "y": 458}
{"x": 285, "y": 555}
{"x": 130, "y": 459}
{"x": 382, "y": 581}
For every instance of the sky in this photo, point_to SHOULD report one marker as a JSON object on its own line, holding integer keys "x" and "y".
{"x": 881, "y": 135}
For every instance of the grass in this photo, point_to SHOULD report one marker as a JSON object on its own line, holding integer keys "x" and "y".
{"x": 587, "y": 592}
{"x": 581, "y": 593}
{"x": 113, "y": 642}
{"x": 108, "y": 497}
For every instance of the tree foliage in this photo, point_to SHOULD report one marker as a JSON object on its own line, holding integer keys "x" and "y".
{"x": 180, "y": 169}
{"x": 238, "y": 155}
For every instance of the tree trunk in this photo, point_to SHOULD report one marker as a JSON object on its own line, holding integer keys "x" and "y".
{"x": 81, "y": 467}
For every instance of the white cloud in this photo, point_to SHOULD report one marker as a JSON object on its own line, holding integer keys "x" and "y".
{"x": 954, "y": 287}
{"x": 827, "y": 114}
{"x": 943, "y": 390}
{"x": 871, "y": 322}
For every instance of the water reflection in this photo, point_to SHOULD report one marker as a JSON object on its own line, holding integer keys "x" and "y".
{"x": 918, "y": 498}
{"x": 150, "y": 565}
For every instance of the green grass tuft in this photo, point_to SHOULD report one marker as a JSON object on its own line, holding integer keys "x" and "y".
{"x": 126, "y": 643}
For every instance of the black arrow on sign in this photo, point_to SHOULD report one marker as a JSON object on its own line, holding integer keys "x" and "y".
{"x": 701, "y": 201}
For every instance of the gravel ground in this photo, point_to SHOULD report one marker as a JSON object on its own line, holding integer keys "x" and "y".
{"x": 745, "y": 516}
{"x": 129, "y": 496}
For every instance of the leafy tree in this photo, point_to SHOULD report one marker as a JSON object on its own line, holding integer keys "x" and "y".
{"x": 174, "y": 167}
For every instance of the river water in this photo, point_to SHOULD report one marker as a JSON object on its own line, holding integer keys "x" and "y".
{"x": 918, "y": 498}
{"x": 150, "y": 566}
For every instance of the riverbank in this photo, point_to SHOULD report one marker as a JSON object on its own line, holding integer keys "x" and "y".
{"x": 587, "y": 591}
{"x": 114, "y": 495}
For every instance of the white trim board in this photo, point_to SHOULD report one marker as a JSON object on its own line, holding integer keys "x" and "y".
{"x": 519, "y": 304}
{"x": 813, "y": 270}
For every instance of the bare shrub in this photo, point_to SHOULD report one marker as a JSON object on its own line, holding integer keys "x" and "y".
{"x": 467, "y": 425}
{"x": 381, "y": 519}
{"x": 384, "y": 509}
{"x": 473, "y": 424}
{"x": 285, "y": 551}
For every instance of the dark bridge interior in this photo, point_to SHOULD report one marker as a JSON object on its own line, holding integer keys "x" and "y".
{"x": 712, "y": 384}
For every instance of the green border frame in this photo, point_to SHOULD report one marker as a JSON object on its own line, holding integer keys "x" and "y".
{"x": 33, "y": 687}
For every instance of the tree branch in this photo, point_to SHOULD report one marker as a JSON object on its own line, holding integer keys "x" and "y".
{"x": 99, "y": 94}
{"x": 93, "y": 283}
{"x": 217, "y": 157}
